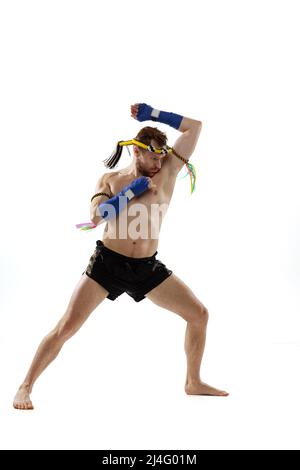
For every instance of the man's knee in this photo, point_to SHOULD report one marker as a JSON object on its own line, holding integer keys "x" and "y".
{"x": 201, "y": 315}
{"x": 65, "y": 328}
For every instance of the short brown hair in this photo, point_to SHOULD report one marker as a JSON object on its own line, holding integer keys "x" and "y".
{"x": 146, "y": 134}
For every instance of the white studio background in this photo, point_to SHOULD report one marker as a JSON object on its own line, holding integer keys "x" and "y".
{"x": 69, "y": 72}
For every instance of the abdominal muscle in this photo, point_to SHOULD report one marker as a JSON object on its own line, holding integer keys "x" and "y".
{"x": 134, "y": 248}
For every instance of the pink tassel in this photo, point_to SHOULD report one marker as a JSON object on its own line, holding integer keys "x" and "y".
{"x": 86, "y": 226}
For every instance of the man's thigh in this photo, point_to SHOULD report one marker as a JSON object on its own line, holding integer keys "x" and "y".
{"x": 174, "y": 295}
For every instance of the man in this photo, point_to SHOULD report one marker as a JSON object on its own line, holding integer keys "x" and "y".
{"x": 125, "y": 261}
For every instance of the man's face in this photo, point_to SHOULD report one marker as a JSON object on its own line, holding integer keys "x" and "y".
{"x": 149, "y": 163}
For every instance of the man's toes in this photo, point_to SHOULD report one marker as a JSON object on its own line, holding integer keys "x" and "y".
{"x": 23, "y": 406}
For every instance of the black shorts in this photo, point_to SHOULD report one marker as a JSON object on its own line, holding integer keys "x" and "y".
{"x": 118, "y": 273}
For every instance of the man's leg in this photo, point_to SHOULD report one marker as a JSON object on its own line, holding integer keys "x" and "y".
{"x": 172, "y": 294}
{"x": 87, "y": 295}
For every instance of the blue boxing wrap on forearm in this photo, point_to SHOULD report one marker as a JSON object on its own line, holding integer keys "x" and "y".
{"x": 146, "y": 113}
{"x": 111, "y": 208}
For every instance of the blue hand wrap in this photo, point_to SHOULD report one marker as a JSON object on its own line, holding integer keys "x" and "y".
{"x": 146, "y": 113}
{"x": 111, "y": 208}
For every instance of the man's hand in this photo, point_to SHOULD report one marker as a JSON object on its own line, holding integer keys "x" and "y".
{"x": 141, "y": 112}
{"x": 134, "y": 110}
{"x": 151, "y": 185}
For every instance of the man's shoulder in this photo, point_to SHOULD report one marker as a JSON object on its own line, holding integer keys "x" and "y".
{"x": 107, "y": 176}
{"x": 118, "y": 175}
{"x": 104, "y": 181}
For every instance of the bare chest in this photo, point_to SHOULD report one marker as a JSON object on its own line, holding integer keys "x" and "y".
{"x": 149, "y": 197}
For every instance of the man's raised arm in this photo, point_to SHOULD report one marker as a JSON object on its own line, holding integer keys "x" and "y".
{"x": 190, "y": 128}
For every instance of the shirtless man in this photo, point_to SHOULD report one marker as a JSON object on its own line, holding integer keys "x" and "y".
{"x": 125, "y": 261}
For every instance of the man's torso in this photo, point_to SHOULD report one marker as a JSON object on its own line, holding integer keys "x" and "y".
{"x": 135, "y": 232}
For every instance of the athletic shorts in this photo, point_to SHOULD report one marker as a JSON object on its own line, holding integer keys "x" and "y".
{"x": 118, "y": 273}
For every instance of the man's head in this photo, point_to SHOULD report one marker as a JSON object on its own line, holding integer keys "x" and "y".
{"x": 149, "y": 163}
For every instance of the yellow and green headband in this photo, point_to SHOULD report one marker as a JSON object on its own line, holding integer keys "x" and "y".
{"x": 165, "y": 150}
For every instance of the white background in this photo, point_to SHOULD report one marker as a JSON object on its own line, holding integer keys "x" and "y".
{"x": 69, "y": 72}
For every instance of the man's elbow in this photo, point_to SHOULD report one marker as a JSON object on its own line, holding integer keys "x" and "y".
{"x": 195, "y": 131}
{"x": 95, "y": 215}
{"x": 199, "y": 125}
{"x": 97, "y": 220}
{"x": 196, "y": 128}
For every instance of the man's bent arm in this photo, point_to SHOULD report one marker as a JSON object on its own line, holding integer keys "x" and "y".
{"x": 190, "y": 128}
{"x": 186, "y": 143}
{"x": 102, "y": 186}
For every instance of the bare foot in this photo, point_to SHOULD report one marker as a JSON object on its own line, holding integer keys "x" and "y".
{"x": 202, "y": 388}
{"x": 22, "y": 399}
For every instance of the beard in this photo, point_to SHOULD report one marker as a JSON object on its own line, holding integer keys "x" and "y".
{"x": 143, "y": 171}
